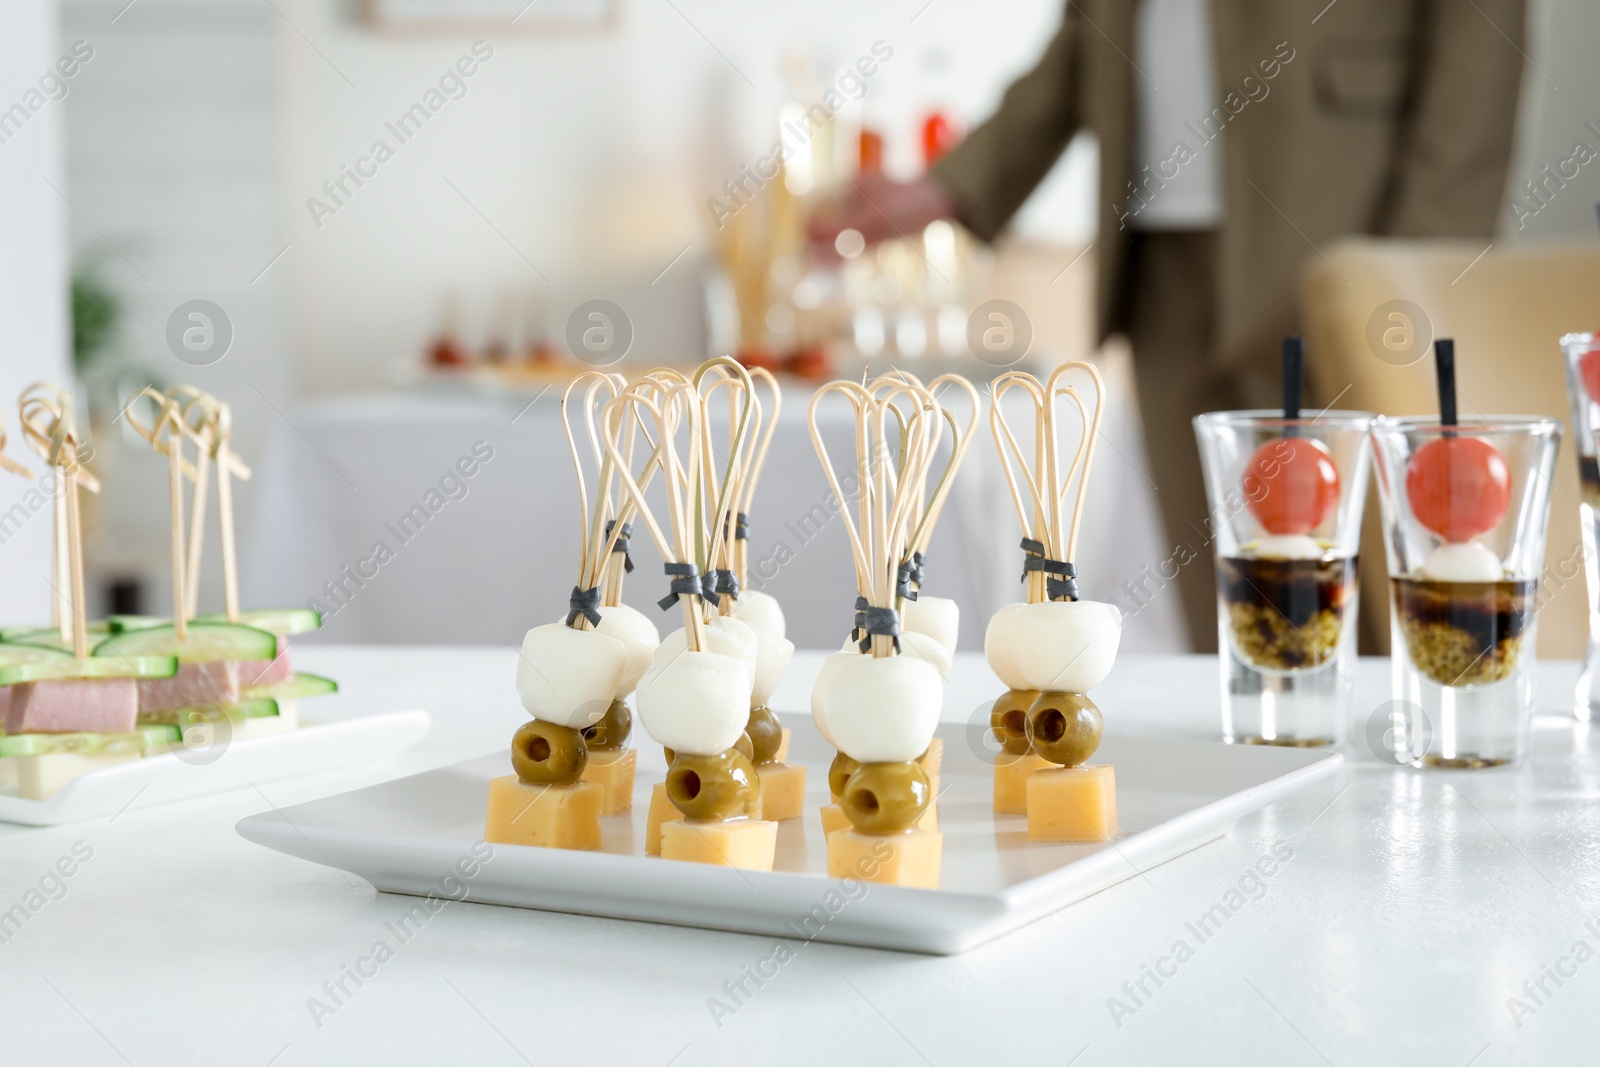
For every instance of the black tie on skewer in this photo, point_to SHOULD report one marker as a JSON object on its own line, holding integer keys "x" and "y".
{"x": 904, "y": 575}
{"x": 741, "y": 527}
{"x": 1061, "y": 578}
{"x": 622, "y": 543}
{"x": 688, "y": 581}
{"x": 725, "y": 581}
{"x": 880, "y": 622}
{"x": 917, "y": 560}
{"x": 585, "y": 602}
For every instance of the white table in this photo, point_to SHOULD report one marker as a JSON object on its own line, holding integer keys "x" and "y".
{"x": 1411, "y": 907}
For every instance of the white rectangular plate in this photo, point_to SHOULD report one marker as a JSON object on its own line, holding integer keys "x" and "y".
{"x": 310, "y": 749}
{"x": 1172, "y": 796}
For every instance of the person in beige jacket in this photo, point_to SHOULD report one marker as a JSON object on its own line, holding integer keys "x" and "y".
{"x": 1236, "y": 138}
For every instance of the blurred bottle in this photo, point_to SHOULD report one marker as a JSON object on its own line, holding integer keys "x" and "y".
{"x": 446, "y": 349}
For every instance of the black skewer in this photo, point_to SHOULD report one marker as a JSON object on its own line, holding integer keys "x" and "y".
{"x": 1444, "y": 355}
{"x": 1294, "y": 354}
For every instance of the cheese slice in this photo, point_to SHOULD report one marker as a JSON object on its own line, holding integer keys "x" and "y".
{"x": 1011, "y": 773}
{"x": 908, "y": 859}
{"x": 543, "y": 815}
{"x": 783, "y": 790}
{"x": 613, "y": 772}
{"x": 661, "y": 811}
{"x": 1073, "y": 804}
{"x": 748, "y": 844}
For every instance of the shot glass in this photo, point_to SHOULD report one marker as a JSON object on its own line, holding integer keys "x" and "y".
{"x": 1285, "y": 499}
{"x": 1465, "y": 513}
{"x": 1582, "y": 352}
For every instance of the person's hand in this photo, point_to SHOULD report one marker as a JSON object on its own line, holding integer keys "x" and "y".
{"x": 879, "y": 209}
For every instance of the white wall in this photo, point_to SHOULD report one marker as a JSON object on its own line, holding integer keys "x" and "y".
{"x": 174, "y": 157}
{"x": 33, "y": 274}
{"x": 1560, "y": 101}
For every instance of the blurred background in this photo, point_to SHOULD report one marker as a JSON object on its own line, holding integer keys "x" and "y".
{"x": 398, "y": 217}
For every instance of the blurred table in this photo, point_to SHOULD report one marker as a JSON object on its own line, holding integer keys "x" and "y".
{"x": 1404, "y": 912}
{"x": 492, "y": 554}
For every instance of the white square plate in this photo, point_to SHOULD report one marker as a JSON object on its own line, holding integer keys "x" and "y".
{"x": 309, "y": 749}
{"x": 1172, "y": 796}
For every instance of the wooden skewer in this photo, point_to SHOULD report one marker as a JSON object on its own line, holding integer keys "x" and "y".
{"x": 46, "y": 417}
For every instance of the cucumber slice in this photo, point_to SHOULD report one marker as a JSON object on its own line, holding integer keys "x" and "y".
{"x": 13, "y": 654}
{"x": 64, "y": 668}
{"x": 121, "y": 624}
{"x": 144, "y": 740}
{"x": 255, "y": 708}
{"x": 280, "y": 621}
{"x": 301, "y": 685}
{"x": 207, "y": 642}
{"x": 49, "y": 635}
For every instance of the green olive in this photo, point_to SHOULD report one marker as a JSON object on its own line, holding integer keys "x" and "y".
{"x": 668, "y": 753}
{"x": 611, "y": 733}
{"x": 745, "y": 745}
{"x": 839, "y": 773}
{"x": 886, "y": 798}
{"x": 1064, "y": 727}
{"x": 544, "y": 753}
{"x": 1008, "y": 719}
{"x": 708, "y": 788}
{"x": 765, "y": 733}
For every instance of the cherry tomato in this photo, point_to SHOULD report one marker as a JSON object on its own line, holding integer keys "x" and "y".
{"x": 1589, "y": 371}
{"x": 1459, "y": 487}
{"x": 1291, "y": 485}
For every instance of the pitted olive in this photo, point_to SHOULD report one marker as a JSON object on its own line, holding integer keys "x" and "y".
{"x": 886, "y": 798}
{"x": 710, "y": 788}
{"x": 548, "y": 754}
{"x": 1064, "y": 728}
{"x": 765, "y": 733}
{"x": 611, "y": 733}
{"x": 839, "y": 772}
{"x": 1008, "y": 720}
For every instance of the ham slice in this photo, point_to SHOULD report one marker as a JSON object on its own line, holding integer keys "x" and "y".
{"x": 256, "y": 672}
{"x": 108, "y": 705}
{"x": 195, "y": 683}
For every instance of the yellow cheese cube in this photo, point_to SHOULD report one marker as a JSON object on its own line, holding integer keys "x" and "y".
{"x": 661, "y": 811}
{"x": 782, "y": 755}
{"x": 613, "y": 772}
{"x": 909, "y": 859}
{"x": 1073, "y": 804}
{"x": 783, "y": 791}
{"x": 933, "y": 760}
{"x": 748, "y": 844}
{"x": 834, "y": 818}
{"x": 39, "y": 777}
{"x": 1011, "y": 773}
{"x": 549, "y": 816}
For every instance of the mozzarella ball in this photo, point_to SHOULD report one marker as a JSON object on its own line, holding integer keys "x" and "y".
{"x": 937, "y": 616}
{"x": 1463, "y": 561}
{"x": 819, "y": 714}
{"x": 724, "y": 636}
{"x": 998, "y": 650}
{"x": 923, "y": 647}
{"x": 760, "y": 611}
{"x": 772, "y": 659}
{"x": 695, "y": 702}
{"x": 569, "y": 677}
{"x": 881, "y": 709}
{"x": 639, "y": 637}
{"x": 1289, "y": 546}
{"x": 1065, "y": 646}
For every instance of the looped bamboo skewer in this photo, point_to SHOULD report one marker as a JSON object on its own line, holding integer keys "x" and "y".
{"x": 8, "y": 463}
{"x": 45, "y": 415}
{"x": 166, "y": 433}
{"x": 762, "y": 436}
{"x": 1046, "y": 483}
{"x": 725, "y": 493}
{"x": 668, "y": 405}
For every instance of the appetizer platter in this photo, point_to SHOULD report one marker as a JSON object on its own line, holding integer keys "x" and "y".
{"x": 652, "y": 761}
{"x": 95, "y": 712}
